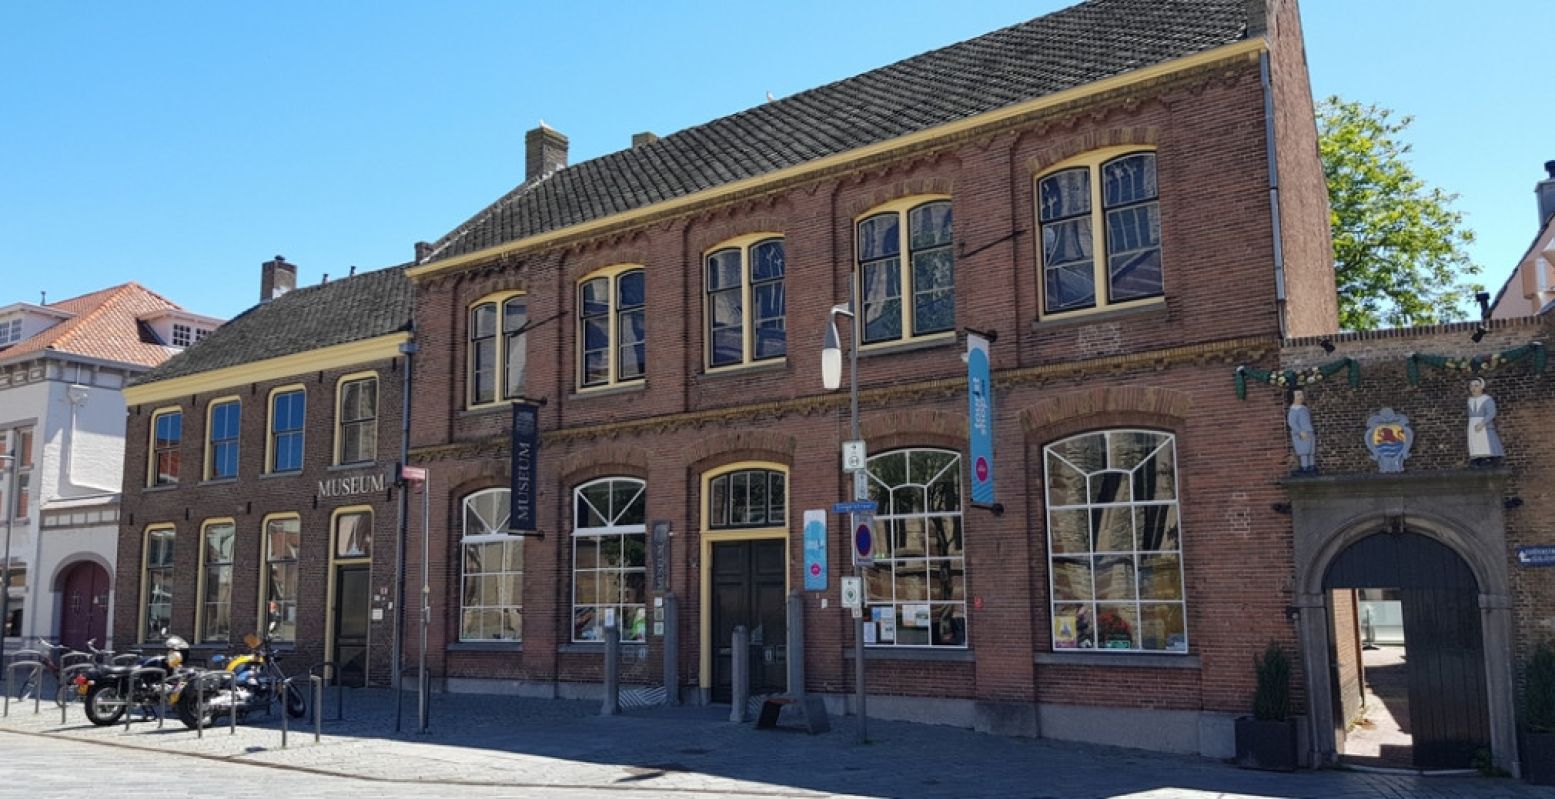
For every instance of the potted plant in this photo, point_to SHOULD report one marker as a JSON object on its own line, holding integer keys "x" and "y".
{"x": 1267, "y": 739}
{"x": 1539, "y": 717}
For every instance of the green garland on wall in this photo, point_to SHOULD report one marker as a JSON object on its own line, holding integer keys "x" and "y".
{"x": 1478, "y": 364}
{"x": 1291, "y": 378}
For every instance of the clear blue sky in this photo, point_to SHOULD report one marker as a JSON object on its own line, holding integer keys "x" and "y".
{"x": 181, "y": 144}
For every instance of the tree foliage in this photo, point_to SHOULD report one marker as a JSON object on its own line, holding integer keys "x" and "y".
{"x": 1399, "y": 247}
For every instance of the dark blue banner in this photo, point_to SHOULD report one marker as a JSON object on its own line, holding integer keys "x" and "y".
{"x": 526, "y": 455}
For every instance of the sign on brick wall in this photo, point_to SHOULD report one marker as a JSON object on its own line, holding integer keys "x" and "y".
{"x": 526, "y": 452}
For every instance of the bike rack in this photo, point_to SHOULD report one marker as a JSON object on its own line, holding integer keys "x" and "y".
{"x": 134, "y": 678}
{"x": 319, "y": 674}
{"x": 218, "y": 677}
{"x": 37, "y": 673}
{"x": 66, "y": 682}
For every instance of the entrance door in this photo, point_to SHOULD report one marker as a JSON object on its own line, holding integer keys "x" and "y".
{"x": 85, "y": 614}
{"x": 748, "y": 588}
{"x": 351, "y": 619}
{"x": 1448, "y": 713}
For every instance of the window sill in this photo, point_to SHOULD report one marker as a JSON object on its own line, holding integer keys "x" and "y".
{"x": 591, "y": 647}
{"x": 219, "y": 481}
{"x": 608, "y": 391}
{"x": 913, "y": 653}
{"x": 1136, "y": 660}
{"x": 911, "y": 345}
{"x": 351, "y": 467}
{"x": 154, "y": 489}
{"x": 486, "y": 646}
{"x": 758, "y": 367}
{"x": 484, "y": 409}
{"x": 1154, "y": 305}
{"x": 272, "y": 475}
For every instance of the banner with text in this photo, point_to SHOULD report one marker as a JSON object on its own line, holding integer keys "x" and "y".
{"x": 980, "y": 418}
{"x": 526, "y": 453}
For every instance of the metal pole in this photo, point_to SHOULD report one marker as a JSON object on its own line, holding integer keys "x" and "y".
{"x": 671, "y": 649}
{"x": 796, "y": 643}
{"x": 858, "y": 623}
{"x": 13, "y": 473}
{"x": 398, "y": 649}
{"x": 426, "y": 596}
{"x": 740, "y": 673}
{"x": 611, "y": 705}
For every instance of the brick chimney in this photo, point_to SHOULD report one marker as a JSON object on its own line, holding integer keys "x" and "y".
{"x": 1545, "y": 190}
{"x": 646, "y": 137}
{"x": 545, "y": 151}
{"x": 276, "y": 278}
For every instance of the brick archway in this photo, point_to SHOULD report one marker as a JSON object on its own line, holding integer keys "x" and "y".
{"x": 1106, "y": 406}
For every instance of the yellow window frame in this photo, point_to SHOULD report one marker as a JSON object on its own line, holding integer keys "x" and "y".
{"x": 207, "y": 470}
{"x": 744, "y": 244}
{"x": 264, "y": 566}
{"x": 709, "y": 536}
{"x": 901, "y": 208}
{"x": 499, "y": 394}
{"x": 270, "y": 426}
{"x": 338, "y": 451}
{"x": 199, "y": 582}
{"x": 145, "y": 574}
{"x": 613, "y": 274}
{"x": 151, "y": 445}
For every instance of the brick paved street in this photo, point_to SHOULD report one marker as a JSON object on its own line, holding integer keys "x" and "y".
{"x": 508, "y": 746}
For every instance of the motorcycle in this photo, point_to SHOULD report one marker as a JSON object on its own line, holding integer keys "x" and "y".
{"x": 257, "y": 681}
{"x": 109, "y": 691}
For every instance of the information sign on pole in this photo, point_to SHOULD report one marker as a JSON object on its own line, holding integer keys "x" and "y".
{"x": 413, "y": 474}
{"x": 861, "y": 485}
{"x": 864, "y": 538}
{"x": 853, "y": 456}
{"x": 853, "y": 592}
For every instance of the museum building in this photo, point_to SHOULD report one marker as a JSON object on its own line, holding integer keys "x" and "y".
{"x": 259, "y": 487}
{"x": 1126, "y": 193}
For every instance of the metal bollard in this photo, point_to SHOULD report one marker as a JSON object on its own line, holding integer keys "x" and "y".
{"x": 199, "y": 705}
{"x": 795, "y": 647}
{"x": 612, "y": 703}
{"x": 318, "y": 704}
{"x": 134, "y": 679}
{"x": 740, "y": 668}
{"x": 671, "y": 650}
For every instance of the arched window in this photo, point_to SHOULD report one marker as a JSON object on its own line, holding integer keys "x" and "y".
{"x": 907, "y": 280}
{"x": 746, "y": 307}
{"x": 609, "y": 558}
{"x": 1101, "y": 226}
{"x": 496, "y": 348}
{"x": 491, "y": 599}
{"x": 916, "y": 593}
{"x": 1114, "y": 542}
{"x": 612, "y": 327}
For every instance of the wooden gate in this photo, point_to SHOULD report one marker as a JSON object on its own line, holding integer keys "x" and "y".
{"x": 1447, "y": 694}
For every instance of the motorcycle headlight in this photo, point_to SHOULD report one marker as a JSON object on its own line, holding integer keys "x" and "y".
{"x": 175, "y": 659}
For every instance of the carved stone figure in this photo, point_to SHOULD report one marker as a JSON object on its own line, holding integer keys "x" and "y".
{"x": 1303, "y": 441}
{"x": 1484, "y": 444}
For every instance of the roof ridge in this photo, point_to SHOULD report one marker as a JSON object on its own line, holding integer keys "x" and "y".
{"x": 482, "y": 215}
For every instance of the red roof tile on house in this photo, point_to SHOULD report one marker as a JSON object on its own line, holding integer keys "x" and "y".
{"x": 106, "y": 326}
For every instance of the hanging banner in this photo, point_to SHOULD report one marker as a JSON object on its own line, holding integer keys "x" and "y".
{"x": 980, "y": 418}
{"x": 815, "y": 550}
{"x": 526, "y": 452}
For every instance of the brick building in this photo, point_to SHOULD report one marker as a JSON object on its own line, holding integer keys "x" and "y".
{"x": 1127, "y": 192}
{"x": 258, "y": 481}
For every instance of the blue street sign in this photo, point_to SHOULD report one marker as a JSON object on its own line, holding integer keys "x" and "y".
{"x": 1536, "y": 556}
{"x": 980, "y": 418}
{"x": 856, "y": 506}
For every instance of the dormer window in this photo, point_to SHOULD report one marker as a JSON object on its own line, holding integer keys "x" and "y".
{"x": 10, "y": 331}
{"x": 183, "y": 335}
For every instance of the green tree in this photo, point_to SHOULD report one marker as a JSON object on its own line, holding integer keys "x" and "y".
{"x": 1399, "y": 247}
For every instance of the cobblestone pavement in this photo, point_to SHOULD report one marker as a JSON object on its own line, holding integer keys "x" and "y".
{"x": 529, "y": 747}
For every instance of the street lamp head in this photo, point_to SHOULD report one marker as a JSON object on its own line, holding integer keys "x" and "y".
{"x": 831, "y": 358}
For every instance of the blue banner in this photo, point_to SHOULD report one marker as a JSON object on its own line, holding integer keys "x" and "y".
{"x": 815, "y": 550}
{"x": 526, "y": 453}
{"x": 980, "y": 418}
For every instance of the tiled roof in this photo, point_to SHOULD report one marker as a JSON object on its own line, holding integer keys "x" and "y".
{"x": 105, "y": 326}
{"x": 352, "y": 309}
{"x": 1062, "y": 50}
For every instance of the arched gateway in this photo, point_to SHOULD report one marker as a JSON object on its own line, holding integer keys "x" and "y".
{"x": 1437, "y": 541}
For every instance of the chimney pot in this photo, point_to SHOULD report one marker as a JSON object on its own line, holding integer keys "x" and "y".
{"x": 646, "y": 137}
{"x": 1544, "y": 191}
{"x": 276, "y": 277}
{"x": 1549, "y": 167}
{"x": 545, "y": 151}
{"x": 423, "y": 249}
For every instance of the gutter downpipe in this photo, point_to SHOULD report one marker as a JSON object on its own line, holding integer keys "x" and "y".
{"x": 1274, "y": 187}
{"x": 408, "y": 349}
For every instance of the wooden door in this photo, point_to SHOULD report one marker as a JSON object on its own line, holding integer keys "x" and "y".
{"x": 748, "y": 587}
{"x": 85, "y": 613}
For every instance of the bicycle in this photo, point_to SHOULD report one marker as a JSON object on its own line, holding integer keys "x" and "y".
{"x": 55, "y": 659}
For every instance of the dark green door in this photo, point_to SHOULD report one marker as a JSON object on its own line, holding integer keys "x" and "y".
{"x": 748, "y": 588}
{"x": 351, "y": 619}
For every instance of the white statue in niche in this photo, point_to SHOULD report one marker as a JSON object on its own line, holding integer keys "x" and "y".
{"x": 1302, "y": 439}
{"x": 1484, "y": 444}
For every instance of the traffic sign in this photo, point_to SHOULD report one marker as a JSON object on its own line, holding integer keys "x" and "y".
{"x": 856, "y": 506}
{"x": 413, "y": 474}
{"x": 853, "y": 456}
{"x": 852, "y": 592}
{"x": 864, "y": 539}
{"x": 861, "y": 485}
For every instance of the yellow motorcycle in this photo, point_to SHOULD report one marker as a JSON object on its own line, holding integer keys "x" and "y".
{"x": 257, "y": 681}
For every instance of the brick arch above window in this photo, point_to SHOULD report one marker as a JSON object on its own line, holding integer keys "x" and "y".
{"x": 1138, "y": 135}
{"x": 707, "y": 238}
{"x": 604, "y": 460}
{"x": 722, "y": 449}
{"x": 898, "y": 190}
{"x": 914, "y": 427}
{"x": 1106, "y": 406}
{"x": 579, "y": 268}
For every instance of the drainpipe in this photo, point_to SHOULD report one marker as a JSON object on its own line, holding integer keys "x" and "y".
{"x": 1274, "y": 187}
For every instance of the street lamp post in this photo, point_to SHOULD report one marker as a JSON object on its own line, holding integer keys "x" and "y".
{"x": 12, "y": 462}
{"x": 831, "y": 378}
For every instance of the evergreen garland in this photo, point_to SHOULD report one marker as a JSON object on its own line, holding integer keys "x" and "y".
{"x": 1477, "y": 364}
{"x": 1290, "y": 378}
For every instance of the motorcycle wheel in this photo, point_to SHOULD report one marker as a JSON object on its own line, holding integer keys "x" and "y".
{"x": 189, "y": 709}
{"x": 104, "y": 705}
{"x": 296, "y": 703}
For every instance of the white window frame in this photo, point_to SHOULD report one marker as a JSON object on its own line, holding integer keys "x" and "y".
{"x": 631, "y": 616}
{"x": 491, "y": 529}
{"x": 886, "y": 557}
{"x": 1172, "y": 507}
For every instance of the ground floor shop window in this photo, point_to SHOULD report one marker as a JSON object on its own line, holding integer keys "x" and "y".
{"x": 609, "y": 559}
{"x": 1114, "y": 542}
{"x": 492, "y": 602}
{"x": 283, "y": 543}
{"x": 216, "y": 556}
{"x": 916, "y": 593}
{"x": 158, "y": 612}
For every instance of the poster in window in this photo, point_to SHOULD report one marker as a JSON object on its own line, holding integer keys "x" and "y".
{"x": 887, "y": 619}
{"x": 869, "y": 632}
{"x": 1065, "y": 631}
